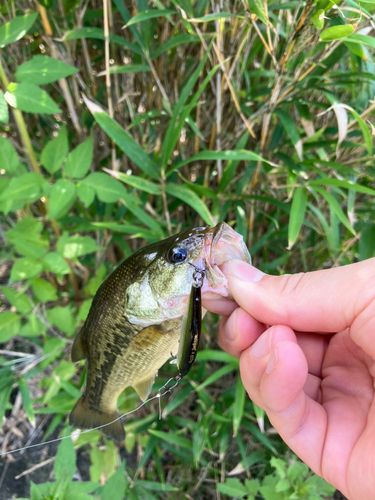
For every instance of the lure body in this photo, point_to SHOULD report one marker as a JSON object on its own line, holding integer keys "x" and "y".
{"x": 147, "y": 311}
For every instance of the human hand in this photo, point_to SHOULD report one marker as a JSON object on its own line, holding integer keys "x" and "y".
{"x": 312, "y": 367}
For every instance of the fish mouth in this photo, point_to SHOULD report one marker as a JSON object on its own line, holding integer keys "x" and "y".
{"x": 222, "y": 244}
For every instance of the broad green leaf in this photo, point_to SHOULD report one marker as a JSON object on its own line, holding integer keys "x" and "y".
{"x": 103, "y": 461}
{"x": 80, "y": 159}
{"x": 65, "y": 462}
{"x": 228, "y": 155}
{"x": 30, "y": 98}
{"x": 43, "y": 290}
{"x": 55, "y": 263}
{"x": 62, "y": 318}
{"x": 106, "y": 188}
{"x": 61, "y": 197}
{"x": 25, "y": 188}
{"x": 18, "y": 299}
{"x": 55, "y": 151}
{"x": 4, "y": 113}
{"x": 318, "y": 19}
{"x": 297, "y": 215}
{"x": 146, "y": 15}
{"x": 41, "y": 70}
{"x": 124, "y": 141}
{"x": 136, "y": 182}
{"x": 16, "y": 28}
{"x": 173, "y": 42}
{"x": 24, "y": 268}
{"x": 9, "y": 160}
{"x": 27, "y": 239}
{"x": 233, "y": 488}
{"x": 190, "y": 198}
{"x": 362, "y": 39}
{"x": 9, "y": 325}
{"x": 116, "y": 486}
{"x": 85, "y": 193}
{"x": 75, "y": 246}
{"x": 336, "y": 32}
{"x": 367, "y": 241}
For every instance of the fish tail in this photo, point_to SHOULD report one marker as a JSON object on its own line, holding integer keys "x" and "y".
{"x": 84, "y": 417}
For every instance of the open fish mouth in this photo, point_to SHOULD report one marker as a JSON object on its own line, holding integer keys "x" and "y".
{"x": 221, "y": 245}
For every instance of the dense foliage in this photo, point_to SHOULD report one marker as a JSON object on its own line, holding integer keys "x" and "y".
{"x": 123, "y": 122}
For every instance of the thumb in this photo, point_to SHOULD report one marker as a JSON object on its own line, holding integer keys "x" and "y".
{"x": 322, "y": 301}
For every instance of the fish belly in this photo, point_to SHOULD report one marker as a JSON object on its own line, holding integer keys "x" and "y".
{"x": 135, "y": 366}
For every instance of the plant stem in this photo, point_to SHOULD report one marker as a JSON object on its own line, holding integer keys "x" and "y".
{"x": 21, "y": 125}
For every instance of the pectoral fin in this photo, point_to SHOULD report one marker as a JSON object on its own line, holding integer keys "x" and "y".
{"x": 190, "y": 333}
{"x": 144, "y": 387}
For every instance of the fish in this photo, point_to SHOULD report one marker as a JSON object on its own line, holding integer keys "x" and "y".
{"x": 147, "y": 311}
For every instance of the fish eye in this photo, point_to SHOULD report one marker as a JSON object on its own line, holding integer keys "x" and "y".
{"x": 177, "y": 255}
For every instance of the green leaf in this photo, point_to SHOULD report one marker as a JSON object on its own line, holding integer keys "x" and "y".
{"x": 214, "y": 16}
{"x": 366, "y": 132}
{"x": 24, "y": 268}
{"x": 297, "y": 215}
{"x": 9, "y": 160}
{"x": 30, "y": 98}
{"x": 65, "y": 462}
{"x": 129, "y": 68}
{"x": 25, "y": 188}
{"x": 258, "y": 8}
{"x": 172, "y": 438}
{"x": 124, "y": 141}
{"x": 146, "y": 15}
{"x": 116, "y": 486}
{"x": 55, "y": 152}
{"x": 18, "y": 299}
{"x": 27, "y": 239}
{"x": 227, "y": 155}
{"x": 291, "y": 131}
{"x": 55, "y": 263}
{"x": 233, "y": 488}
{"x": 75, "y": 246}
{"x": 173, "y": 42}
{"x": 346, "y": 184}
{"x": 61, "y": 197}
{"x": 41, "y": 70}
{"x": 86, "y": 194}
{"x": 80, "y": 159}
{"x": 336, "y": 208}
{"x": 62, "y": 318}
{"x": 26, "y": 400}
{"x": 367, "y": 242}
{"x": 136, "y": 182}
{"x": 103, "y": 461}
{"x": 4, "y": 113}
{"x": 98, "y": 34}
{"x": 106, "y": 188}
{"x": 43, "y": 290}
{"x": 362, "y": 39}
{"x": 238, "y": 406}
{"x": 336, "y": 32}
{"x": 9, "y": 325}
{"x": 16, "y": 28}
{"x": 190, "y": 198}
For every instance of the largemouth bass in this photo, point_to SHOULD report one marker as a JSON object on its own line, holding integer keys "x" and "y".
{"x": 143, "y": 314}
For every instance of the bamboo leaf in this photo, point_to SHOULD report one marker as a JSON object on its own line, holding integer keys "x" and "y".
{"x": 336, "y": 32}
{"x": 136, "y": 182}
{"x": 190, "y": 198}
{"x": 297, "y": 215}
{"x": 336, "y": 208}
{"x": 146, "y": 15}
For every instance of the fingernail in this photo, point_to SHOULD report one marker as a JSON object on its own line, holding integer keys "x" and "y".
{"x": 242, "y": 271}
{"x": 261, "y": 347}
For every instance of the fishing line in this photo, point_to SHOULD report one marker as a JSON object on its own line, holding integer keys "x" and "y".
{"x": 162, "y": 392}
